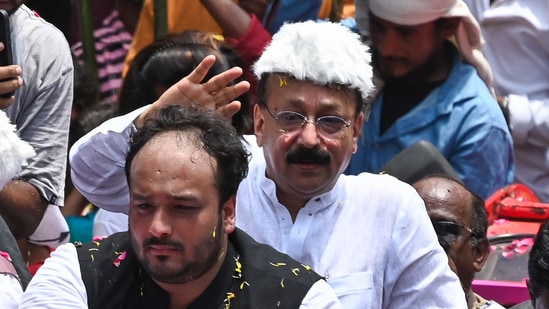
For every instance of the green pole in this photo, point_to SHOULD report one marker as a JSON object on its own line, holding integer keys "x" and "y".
{"x": 336, "y": 11}
{"x": 86, "y": 31}
{"x": 160, "y": 18}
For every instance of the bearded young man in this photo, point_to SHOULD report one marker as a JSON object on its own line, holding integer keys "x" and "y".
{"x": 182, "y": 249}
{"x": 433, "y": 90}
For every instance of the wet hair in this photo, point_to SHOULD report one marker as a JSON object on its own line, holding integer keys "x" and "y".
{"x": 213, "y": 134}
{"x": 538, "y": 262}
{"x": 167, "y": 60}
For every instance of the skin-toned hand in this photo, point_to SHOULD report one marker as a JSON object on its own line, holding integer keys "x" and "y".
{"x": 216, "y": 93}
{"x": 10, "y": 79}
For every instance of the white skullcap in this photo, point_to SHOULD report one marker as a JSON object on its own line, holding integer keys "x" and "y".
{"x": 13, "y": 151}
{"x": 416, "y": 12}
{"x": 323, "y": 53}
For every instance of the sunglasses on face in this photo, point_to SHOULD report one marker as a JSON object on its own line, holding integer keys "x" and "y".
{"x": 449, "y": 232}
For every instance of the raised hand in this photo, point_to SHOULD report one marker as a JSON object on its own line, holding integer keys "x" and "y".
{"x": 216, "y": 93}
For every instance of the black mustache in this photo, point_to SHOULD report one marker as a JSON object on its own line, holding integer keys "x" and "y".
{"x": 161, "y": 241}
{"x": 308, "y": 155}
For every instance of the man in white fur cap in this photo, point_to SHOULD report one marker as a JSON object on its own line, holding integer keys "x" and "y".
{"x": 369, "y": 235}
{"x": 433, "y": 90}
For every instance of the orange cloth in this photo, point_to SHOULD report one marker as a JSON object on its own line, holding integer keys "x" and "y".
{"x": 182, "y": 15}
{"x": 348, "y": 9}
{"x": 190, "y": 14}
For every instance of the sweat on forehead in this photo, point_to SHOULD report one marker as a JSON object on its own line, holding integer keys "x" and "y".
{"x": 440, "y": 188}
{"x": 322, "y": 53}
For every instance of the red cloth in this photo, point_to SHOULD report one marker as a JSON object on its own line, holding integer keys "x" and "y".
{"x": 250, "y": 46}
{"x": 33, "y": 268}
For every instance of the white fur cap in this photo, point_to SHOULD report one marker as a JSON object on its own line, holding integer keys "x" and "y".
{"x": 323, "y": 53}
{"x": 13, "y": 151}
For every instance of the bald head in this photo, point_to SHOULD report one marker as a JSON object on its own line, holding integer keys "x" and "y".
{"x": 444, "y": 193}
{"x": 460, "y": 221}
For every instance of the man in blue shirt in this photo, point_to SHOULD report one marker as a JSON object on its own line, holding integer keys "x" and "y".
{"x": 432, "y": 92}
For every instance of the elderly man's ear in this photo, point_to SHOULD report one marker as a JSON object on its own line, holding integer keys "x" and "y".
{"x": 480, "y": 253}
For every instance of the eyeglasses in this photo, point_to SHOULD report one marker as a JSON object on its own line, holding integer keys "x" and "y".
{"x": 328, "y": 126}
{"x": 449, "y": 232}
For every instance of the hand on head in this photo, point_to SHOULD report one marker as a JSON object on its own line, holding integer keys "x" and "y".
{"x": 216, "y": 93}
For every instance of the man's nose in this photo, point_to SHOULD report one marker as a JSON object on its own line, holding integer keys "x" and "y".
{"x": 309, "y": 135}
{"x": 160, "y": 224}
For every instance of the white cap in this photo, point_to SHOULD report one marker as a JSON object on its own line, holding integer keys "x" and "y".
{"x": 417, "y": 11}
{"x": 323, "y": 53}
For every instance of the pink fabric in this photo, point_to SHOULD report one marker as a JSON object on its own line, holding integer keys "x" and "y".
{"x": 112, "y": 42}
{"x": 6, "y": 267}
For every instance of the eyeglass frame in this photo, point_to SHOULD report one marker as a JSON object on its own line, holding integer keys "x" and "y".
{"x": 473, "y": 234}
{"x": 306, "y": 120}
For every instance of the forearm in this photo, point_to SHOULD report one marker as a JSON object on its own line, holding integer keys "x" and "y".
{"x": 97, "y": 163}
{"x": 22, "y": 207}
{"x": 529, "y": 120}
{"x": 230, "y": 16}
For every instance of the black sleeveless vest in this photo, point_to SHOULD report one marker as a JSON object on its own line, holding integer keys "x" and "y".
{"x": 253, "y": 275}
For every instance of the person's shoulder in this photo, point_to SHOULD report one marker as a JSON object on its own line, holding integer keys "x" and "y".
{"x": 33, "y": 27}
{"x": 268, "y": 276}
{"x": 524, "y": 305}
{"x": 110, "y": 248}
{"x": 381, "y": 193}
{"x": 374, "y": 182}
{"x": 270, "y": 262}
{"x": 472, "y": 99}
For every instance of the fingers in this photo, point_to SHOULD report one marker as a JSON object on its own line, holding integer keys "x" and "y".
{"x": 228, "y": 110}
{"x": 10, "y": 80}
{"x": 10, "y": 71}
{"x": 9, "y": 85}
{"x": 198, "y": 74}
{"x": 230, "y": 93}
{"x": 221, "y": 80}
{"x": 213, "y": 94}
{"x": 4, "y": 103}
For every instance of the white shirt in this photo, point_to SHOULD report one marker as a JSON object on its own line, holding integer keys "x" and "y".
{"x": 370, "y": 236}
{"x": 10, "y": 291}
{"x": 517, "y": 47}
{"x": 58, "y": 284}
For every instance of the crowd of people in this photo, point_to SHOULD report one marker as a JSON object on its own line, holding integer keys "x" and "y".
{"x": 238, "y": 161}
